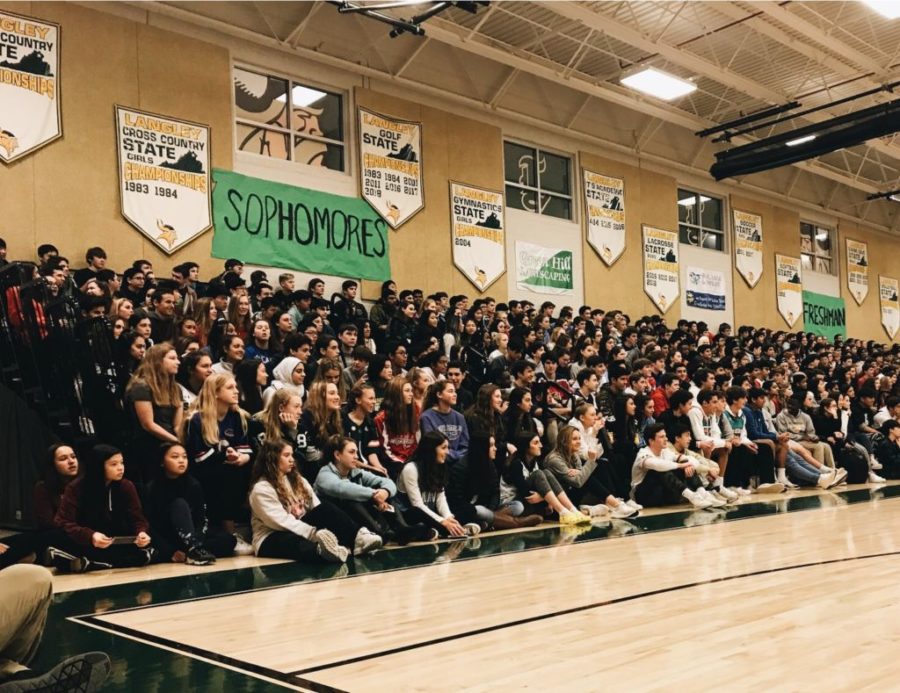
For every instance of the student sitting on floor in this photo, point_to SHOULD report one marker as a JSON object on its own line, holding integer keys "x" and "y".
{"x": 289, "y": 520}
{"x": 177, "y": 513}
{"x": 888, "y": 449}
{"x": 101, "y": 513}
{"x": 707, "y": 470}
{"x": 363, "y": 495}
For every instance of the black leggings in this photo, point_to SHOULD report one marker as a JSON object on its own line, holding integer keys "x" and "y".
{"x": 665, "y": 488}
{"x": 592, "y": 491}
{"x": 369, "y": 516}
{"x": 116, "y": 556}
{"x": 743, "y": 464}
{"x": 37, "y": 542}
{"x": 225, "y": 490}
{"x": 416, "y": 515}
{"x": 177, "y": 532}
{"x": 326, "y": 515}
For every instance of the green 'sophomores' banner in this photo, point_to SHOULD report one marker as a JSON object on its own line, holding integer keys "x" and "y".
{"x": 29, "y": 85}
{"x": 543, "y": 270}
{"x": 279, "y": 225}
{"x": 824, "y": 315}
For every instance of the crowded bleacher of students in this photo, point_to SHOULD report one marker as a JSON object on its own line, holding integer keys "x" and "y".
{"x": 235, "y": 416}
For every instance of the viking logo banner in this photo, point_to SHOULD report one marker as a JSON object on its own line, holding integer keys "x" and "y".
{"x": 890, "y": 305}
{"x": 661, "y": 281}
{"x": 858, "y": 270}
{"x": 390, "y": 166}
{"x": 748, "y": 257}
{"x": 164, "y": 177}
{"x": 604, "y": 200}
{"x": 479, "y": 243}
{"x": 789, "y": 288}
{"x": 29, "y": 85}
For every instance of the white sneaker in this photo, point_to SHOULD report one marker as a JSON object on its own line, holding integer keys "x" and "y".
{"x": 714, "y": 502}
{"x": 717, "y": 493}
{"x": 631, "y": 503}
{"x": 741, "y": 492}
{"x": 727, "y": 494}
{"x": 840, "y": 476}
{"x": 242, "y": 548}
{"x": 875, "y": 464}
{"x": 875, "y": 479}
{"x": 472, "y": 528}
{"x": 599, "y": 510}
{"x": 826, "y": 479}
{"x": 623, "y": 511}
{"x": 697, "y": 500}
{"x": 788, "y": 484}
{"x": 770, "y": 488}
{"x": 328, "y": 548}
{"x": 366, "y": 542}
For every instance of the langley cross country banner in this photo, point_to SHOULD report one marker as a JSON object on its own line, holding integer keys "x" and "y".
{"x": 748, "y": 257}
{"x": 858, "y": 270}
{"x": 890, "y": 305}
{"x": 163, "y": 176}
{"x": 543, "y": 270}
{"x": 604, "y": 200}
{"x": 705, "y": 289}
{"x": 479, "y": 243}
{"x": 277, "y": 225}
{"x": 390, "y": 164}
{"x": 661, "y": 281}
{"x": 789, "y": 288}
{"x": 824, "y": 315}
{"x": 29, "y": 85}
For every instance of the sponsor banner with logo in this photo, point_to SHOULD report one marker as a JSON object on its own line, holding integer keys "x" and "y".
{"x": 890, "y": 305}
{"x": 279, "y": 225}
{"x": 163, "y": 177}
{"x": 705, "y": 289}
{"x": 479, "y": 242}
{"x": 858, "y": 270}
{"x": 390, "y": 165}
{"x": 789, "y": 288}
{"x": 661, "y": 282}
{"x": 604, "y": 200}
{"x": 748, "y": 257}
{"x": 824, "y": 315}
{"x": 543, "y": 270}
{"x": 29, "y": 85}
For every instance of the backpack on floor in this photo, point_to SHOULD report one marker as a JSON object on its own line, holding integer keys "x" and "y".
{"x": 855, "y": 463}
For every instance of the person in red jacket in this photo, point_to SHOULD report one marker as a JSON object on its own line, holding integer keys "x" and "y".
{"x": 102, "y": 514}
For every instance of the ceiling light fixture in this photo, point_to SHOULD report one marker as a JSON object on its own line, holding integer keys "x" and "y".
{"x": 657, "y": 83}
{"x": 886, "y": 8}
{"x": 799, "y": 140}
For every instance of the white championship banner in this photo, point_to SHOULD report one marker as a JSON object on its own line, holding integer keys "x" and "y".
{"x": 890, "y": 305}
{"x": 858, "y": 270}
{"x": 748, "y": 257}
{"x": 789, "y": 288}
{"x": 604, "y": 202}
{"x": 661, "y": 282}
{"x": 477, "y": 227}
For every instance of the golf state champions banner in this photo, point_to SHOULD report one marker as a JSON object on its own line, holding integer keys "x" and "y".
{"x": 858, "y": 270}
{"x": 748, "y": 256}
{"x": 604, "y": 200}
{"x": 390, "y": 164}
{"x": 164, "y": 177}
{"x": 890, "y": 305}
{"x": 543, "y": 270}
{"x": 661, "y": 281}
{"x": 789, "y": 288}
{"x": 29, "y": 85}
{"x": 479, "y": 242}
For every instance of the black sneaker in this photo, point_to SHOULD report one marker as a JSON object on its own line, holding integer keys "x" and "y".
{"x": 199, "y": 556}
{"x": 82, "y": 673}
{"x": 416, "y": 532}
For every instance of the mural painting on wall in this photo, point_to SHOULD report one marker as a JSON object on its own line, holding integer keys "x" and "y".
{"x": 29, "y": 85}
{"x": 748, "y": 256}
{"x": 543, "y": 270}
{"x": 604, "y": 200}
{"x": 478, "y": 235}
{"x": 661, "y": 281}
{"x": 164, "y": 185}
{"x": 390, "y": 166}
{"x": 858, "y": 270}
{"x": 890, "y": 305}
{"x": 789, "y": 288}
{"x": 280, "y": 119}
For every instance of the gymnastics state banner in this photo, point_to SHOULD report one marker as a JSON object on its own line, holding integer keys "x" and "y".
{"x": 705, "y": 289}
{"x": 661, "y": 281}
{"x": 164, "y": 185}
{"x": 789, "y": 288}
{"x": 278, "y": 225}
{"x": 479, "y": 241}
{"x": 29, "y": 85}
{"x": 824, "y": 315}
{"x": 604, "y": 200}
{"x": 890, "y": 306}
{"x": 390, "y": 165}
{"x": 748, "y": 257}
{"x": 543, "y": 270}
{"x": 858, "y": 270}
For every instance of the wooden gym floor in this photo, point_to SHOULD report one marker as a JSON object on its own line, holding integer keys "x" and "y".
{"x": 794, "y": 592}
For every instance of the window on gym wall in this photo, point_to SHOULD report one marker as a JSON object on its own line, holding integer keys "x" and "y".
{"x": 280, "y": 118}
{"x": 538, "y": 181}
{"x": 817, "y": 248}
{"x": 700, "y": 220}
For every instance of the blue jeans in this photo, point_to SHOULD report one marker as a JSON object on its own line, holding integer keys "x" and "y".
{"x": 800, "y": 471}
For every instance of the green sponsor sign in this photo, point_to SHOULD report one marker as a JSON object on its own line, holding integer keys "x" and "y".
{"x": 543, "y": 270}
{"x": 266, "y": 223}
{"x": 824, "y": 315}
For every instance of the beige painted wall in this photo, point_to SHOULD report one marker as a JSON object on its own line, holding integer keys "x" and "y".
{"x": 864, "y": 321}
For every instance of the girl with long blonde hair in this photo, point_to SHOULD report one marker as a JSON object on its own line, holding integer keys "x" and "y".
{"x": 321, "y": 419}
